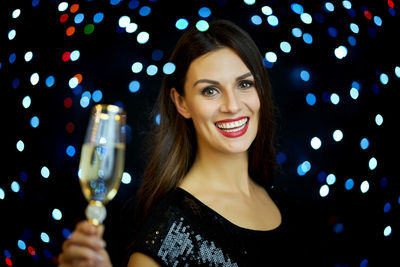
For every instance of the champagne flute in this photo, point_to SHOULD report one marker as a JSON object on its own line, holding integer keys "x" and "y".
{"x": 102, "y": 159}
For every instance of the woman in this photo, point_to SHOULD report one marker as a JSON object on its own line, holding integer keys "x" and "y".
{"x": 206, "y": 194}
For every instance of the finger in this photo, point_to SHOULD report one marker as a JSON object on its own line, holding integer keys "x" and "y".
{"x": 78, "y": 253}
{"x": 83, "y": 263}
{"x": 82, "y": 239}
{"x": 100, "y": 230}
{"x": 64, "y": 264}
{"x": 86, "y": 227}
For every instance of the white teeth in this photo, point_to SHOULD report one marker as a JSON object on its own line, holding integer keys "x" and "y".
{"x": 232, "y": 126}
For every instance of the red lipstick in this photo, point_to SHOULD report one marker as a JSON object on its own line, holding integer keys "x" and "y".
{"x": 233, "y": 128}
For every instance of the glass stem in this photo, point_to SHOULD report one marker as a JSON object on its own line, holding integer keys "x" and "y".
{"x": 95, "y": 212}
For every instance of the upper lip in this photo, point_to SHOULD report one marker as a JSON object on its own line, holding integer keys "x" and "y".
{"x": 231, "y": 120}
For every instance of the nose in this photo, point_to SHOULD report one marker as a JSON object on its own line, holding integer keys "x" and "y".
{"x": 231, "y": 102}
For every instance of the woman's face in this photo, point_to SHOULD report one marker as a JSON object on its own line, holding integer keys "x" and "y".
{"x": 221, "y": 99}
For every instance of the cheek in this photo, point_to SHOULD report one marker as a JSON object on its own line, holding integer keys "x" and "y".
{"x": 254, "y": 104}
{"x": 202, "y": 114}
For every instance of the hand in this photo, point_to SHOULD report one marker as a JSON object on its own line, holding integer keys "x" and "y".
{"x": 85, "y": 247}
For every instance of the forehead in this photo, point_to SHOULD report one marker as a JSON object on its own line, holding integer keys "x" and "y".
{"x": 221, "y": 64}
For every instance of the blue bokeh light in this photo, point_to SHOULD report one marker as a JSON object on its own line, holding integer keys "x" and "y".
{"x": 324, "y": 190}
{"x": 315, "y": 143}
{"x": 297, "y": 32}
{"x": 56, "y": 214}
{"x": 364, "y": 187}
{"x": 303, "y": 168}
{"x": 169, "y": 68}
{"x": 2, "y": 194}
{"x": 281, "y": 157}
{"x": 158, "y": 119}
{"x": 341, "y": 52}
{"x": 387, "y": 207}
{"x": 285, "y": 47}
{"x": 144, "y": 11}
{"x": 34, "y": 122}
{"x": 384, "y": 78}
{"x": 335, "y": 99}
{"x": 271, "y": 57}
{"x": 329, "y": 7}
{"x": 70, "y": 151}
{"x": 152, "y": 70}
{"x": 332, "y": 32}
{"x": 387, "y": 231}
{"x": 256, "y": 20}
{"x": 137, "y": 67}
{"x": 66, "y": 233}
{"x": 266, "y": 10}
{"x": 45, "y": 172}
{"x": 306, "y": 18}
{"x": 21, "y": 245}
{"x": 311, "y": 99}
{"x": 134, "y": 86}
{"x": 307, "y": 38}
{"x": 181, "y": 24}
{"x": 202, "y": 25}
{"x": 204, "y": 12}
{"x": 305, "y": 75}
{"x": 352, "y": 40}
{"x": 354, "y": 28}
{"x": 79, "y": 18}
{"x": 396, "y": 71}
{"x": 273, "y": 20}
{"x": 297, "y": 8}
{"x": 346, "y": 4}
{"x": 75, "y": 55}
{"x": 50, "y": 81}
{"x": 45, "y": 237}
{"x": 349, "y": 184}
{"x": 97, "y": 95}
{"x": 372, "y": 163}
{"x": 12, "y": 58}
{"x": 157, "y": 55}
{"x": 15, "y": 187}
{"x": 330, "y": 179}
{"x": 143, "y": 37}
{"x": 338, "y": 228}
{"x": 98, "y": 17}
{"x": 364, "y": 144}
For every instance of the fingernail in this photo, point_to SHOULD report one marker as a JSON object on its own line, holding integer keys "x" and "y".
{"x": 99, "y": 257}
{"x": 101, "y": 243}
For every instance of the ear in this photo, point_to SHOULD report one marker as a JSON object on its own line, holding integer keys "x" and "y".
{"x": 180, "y": 103}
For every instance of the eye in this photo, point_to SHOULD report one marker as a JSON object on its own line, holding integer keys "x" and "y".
{"x": 209, "y": 91}
{"x": 245, "y": 84}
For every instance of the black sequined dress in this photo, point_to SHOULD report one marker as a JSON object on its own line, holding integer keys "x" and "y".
{"x": 182, "y": 231}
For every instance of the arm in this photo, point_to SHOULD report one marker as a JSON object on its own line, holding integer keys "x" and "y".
{"x": 139, "y": 259}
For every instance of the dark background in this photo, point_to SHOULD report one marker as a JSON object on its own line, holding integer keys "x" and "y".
{"x": 345, "y": 228}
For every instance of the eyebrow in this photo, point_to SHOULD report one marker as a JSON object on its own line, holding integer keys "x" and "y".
{"x": 241, "y": 77}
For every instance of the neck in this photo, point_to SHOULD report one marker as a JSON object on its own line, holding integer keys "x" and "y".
{"x": 222, "y": 171}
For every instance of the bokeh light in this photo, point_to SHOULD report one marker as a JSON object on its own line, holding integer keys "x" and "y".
{"x": 334, "y": 68}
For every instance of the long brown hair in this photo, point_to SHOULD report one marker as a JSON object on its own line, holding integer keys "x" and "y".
{"x": 174, "y": 142}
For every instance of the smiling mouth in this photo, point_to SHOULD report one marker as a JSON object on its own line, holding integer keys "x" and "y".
{"x": 232, "y": 126}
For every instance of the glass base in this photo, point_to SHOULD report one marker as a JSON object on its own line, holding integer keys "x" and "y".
{"x": 96, "y": 212}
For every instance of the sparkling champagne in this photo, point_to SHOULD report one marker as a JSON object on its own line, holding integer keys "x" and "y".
{"x": 102, "y": 159}
{"x": 100, "y": 170}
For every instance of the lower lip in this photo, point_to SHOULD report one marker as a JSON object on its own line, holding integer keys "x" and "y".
{"x": 235, "y": 134}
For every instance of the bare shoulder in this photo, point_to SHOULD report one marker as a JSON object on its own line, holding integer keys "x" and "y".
{"x": 140, "y": 259}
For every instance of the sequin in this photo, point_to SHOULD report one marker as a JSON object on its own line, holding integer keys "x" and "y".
{"x": 182, "y": 231}
{"x": 178, "y": 245}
